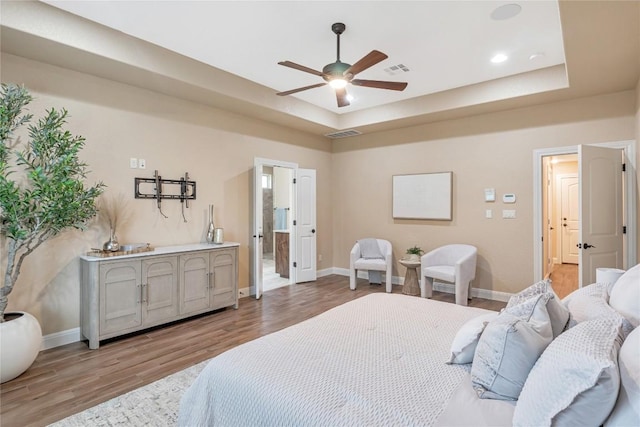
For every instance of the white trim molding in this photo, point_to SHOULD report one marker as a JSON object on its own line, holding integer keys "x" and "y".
{"x": 448, "y": 288}
{"x": 61, "y": 338}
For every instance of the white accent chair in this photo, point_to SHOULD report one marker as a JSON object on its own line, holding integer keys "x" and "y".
{"x": 452, "y": 263}
{"x": 359, "y": 263}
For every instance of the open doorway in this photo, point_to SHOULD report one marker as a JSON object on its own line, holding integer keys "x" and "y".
{"x": 300, "y": 219}
{"x": 277, "y": 210}
{"x": 561, "y": 217}
{"x": 607, "y": 208}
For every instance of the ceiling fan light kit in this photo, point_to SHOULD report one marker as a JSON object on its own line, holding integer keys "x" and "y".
{"x": 339, "y": 74}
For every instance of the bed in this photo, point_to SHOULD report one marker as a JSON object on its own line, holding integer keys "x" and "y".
{"x": 377, "y": 360}
{"x": 389, "y": 359}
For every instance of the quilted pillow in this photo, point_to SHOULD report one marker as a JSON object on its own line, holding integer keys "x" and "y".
{"x": 576, "y": 380}
{"x": 508, "y": 349}
{"x": 625, "y": 295}
{"x": 558, "y": 314}
{"x": 464, "y": 344}
{"x": 596, "y": 290}
{"x": 627, "y": 409}
{"x": 591, "y": 304}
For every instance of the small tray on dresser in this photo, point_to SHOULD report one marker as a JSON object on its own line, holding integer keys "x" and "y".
{"x": 105, "y": 254}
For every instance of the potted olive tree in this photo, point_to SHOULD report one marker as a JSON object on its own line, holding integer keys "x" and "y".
{"x": 42, "y": 193}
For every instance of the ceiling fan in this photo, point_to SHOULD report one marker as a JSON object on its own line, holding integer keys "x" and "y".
{"x": 339, "y": 74}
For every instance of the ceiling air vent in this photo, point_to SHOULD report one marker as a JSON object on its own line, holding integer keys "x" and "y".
{"x": 396, "y": 69}
{"x": 343, "y": 134}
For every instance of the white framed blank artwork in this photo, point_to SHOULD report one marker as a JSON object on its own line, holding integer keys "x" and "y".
{"x": 423, "y": 196}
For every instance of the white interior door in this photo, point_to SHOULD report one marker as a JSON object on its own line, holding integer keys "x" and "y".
{"x": 258, "y": 232}
{"x": 570, "y": 218}
{"x": 601, "y": 210}
{"x": 305, "y": 226}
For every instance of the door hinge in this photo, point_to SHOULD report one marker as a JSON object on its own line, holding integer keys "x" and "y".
{"x": 624, "y": 167}
{"x": 294, "y": 222}
{"x": 295, "y": 264}
{"x": 294, "y": 180}
{"x": 624, "y": 229}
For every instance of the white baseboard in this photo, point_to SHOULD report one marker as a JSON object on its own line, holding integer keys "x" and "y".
{"x": 395, "y": 280}
{"x": 439, "y": 286}
{"x": 60, "y": 338}
{"x": 475, "y": 292}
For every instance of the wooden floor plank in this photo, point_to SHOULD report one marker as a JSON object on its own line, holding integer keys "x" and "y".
{"x": 71, "y": 378}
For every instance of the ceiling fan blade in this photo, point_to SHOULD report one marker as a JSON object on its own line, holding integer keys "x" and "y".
{"x": 369, "y": 60}
{"x": 300, "y": 89}
{"x": 341, "y": 96}
{"x": 380, "y": 84}
{"x": 300, "y": 67}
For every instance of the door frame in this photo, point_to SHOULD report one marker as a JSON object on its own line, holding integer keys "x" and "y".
{"x": 630, "y": 202}
{"x": 255, "y": 262}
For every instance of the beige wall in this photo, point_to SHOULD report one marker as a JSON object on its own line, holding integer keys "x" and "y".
{"x": 174, "y": 137}
{"x": 492, "y": 150}
{"x": 217, "y": 149}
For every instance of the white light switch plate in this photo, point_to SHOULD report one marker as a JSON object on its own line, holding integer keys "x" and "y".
{"x": 488, "y": 213}
{"x": 133, "y": 163}
{"x": 142, "y": 164}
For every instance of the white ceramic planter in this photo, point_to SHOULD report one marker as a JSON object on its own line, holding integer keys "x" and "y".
{"x": 20, "y": 341}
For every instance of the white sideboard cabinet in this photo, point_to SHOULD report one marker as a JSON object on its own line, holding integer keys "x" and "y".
{"x": 128, "y": 293}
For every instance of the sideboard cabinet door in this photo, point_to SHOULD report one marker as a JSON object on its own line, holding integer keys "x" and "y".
{"x": 120, "y": 296}
{"x": 159, "y": 290}
{"x": 194, "y": 282}
{"x": 223, "y": 270}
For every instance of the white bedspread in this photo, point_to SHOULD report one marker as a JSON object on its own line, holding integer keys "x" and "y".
{"x": 377, "y": 360}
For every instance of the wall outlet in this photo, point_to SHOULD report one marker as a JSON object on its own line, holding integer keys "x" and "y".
{"x": 320, "y": 257}
{"x": 508, "y": 214}
{"x": 133, "y": 163}
{"x": 142, "y": 164}
{"x": 488, "y": 214}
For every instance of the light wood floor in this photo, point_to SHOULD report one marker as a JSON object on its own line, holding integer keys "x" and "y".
{"x": 564, "y": 279}
{"x": 68, "y": 379}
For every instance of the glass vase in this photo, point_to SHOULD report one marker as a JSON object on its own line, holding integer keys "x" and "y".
{"x": 210, "y": 227}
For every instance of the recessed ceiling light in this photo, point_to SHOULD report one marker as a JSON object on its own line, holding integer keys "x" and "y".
{"x": 506, "y": 11}
{"x": 501, "y": 57}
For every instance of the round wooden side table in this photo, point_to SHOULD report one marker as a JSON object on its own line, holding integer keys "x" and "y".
{"x": 410, "y": 286}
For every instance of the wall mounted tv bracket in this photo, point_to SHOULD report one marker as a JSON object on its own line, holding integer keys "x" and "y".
{"x": 187, "y": 190}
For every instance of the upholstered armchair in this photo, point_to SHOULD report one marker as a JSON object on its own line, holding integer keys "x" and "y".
{"x": 361, "y": 260}
{"x": 452, "y": 263}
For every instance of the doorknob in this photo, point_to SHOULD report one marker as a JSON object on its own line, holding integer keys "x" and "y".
{"x": 579, "y": 245}
{"x": 313, "y": 230}
{"x": 587, "y": 246}
{"x": 564, "y": 225}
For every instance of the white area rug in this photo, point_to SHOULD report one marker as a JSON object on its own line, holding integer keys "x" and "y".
{"x": 155, "y": 404}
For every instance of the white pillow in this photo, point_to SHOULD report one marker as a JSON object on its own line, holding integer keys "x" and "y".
{"x": 591, "y": 304}
{"x": 558, "y": 313}
{"x": 536, "y": 289}
{"x": 576, "y": 380}
{"x": 625, "y": 295}
{"x": 596, "y": 290}
{"x": 507, "y": 350}
{"x": 627, "y": 409}
{"x": 464, "y": 344}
